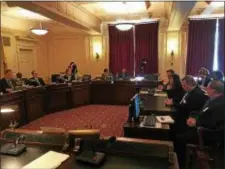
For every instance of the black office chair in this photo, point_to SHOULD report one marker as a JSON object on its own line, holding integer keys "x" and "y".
{"x": 209, "y": 153}
{"x": 54, "y": 77}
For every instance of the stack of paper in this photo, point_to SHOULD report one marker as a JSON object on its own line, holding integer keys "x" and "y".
{"x": 50, "y": 160}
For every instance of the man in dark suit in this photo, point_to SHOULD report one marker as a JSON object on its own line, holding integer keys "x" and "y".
{"x": 6, "y": 82}
{"x": 106, "y": 75}
{"x": 193, "y": 100}
{"x": 35, "y": 80}
{"x": 211, "y": 117}
{"x": 123, "y": 75}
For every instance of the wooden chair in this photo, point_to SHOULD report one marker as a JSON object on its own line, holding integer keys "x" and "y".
{"x": 206, "y": 157}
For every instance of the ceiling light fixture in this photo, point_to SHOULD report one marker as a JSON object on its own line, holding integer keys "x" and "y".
{"x": 39, "y": 31}
{"x": 124, "y": 26}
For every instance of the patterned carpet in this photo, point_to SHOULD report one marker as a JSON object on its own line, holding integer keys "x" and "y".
{"x": 109, "y": 119}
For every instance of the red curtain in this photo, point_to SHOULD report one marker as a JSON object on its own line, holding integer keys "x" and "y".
{"x": 221, "y": 45}
{"x": 201, "y": 38}
{"x": 121, "y": 50}
{"x": 146, "y": 38}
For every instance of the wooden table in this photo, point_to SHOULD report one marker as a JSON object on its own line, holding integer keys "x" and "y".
{"x": 133, "y": 130}
{"x": 14, "y": 101}
{"x": 33, "y": 103}
{"x": 124, "y": 153}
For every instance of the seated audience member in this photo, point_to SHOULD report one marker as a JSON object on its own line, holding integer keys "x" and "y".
{"x": 174, "y": 88}
{"x": 217, "y": 75}
{"x": 123, "y": 75}
{"x": 6, "y": 82}
{"x": 35, "y": 80}
{"x": 193, "y": 100}
{"x": 169, "y": 73}
{"x": 19, "y": 82}
{"x": 106, "y": 75}
{"x": 204, "y": 77}
{"x": 211, "y": 117}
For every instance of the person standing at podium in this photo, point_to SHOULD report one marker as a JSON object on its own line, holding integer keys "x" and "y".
{"x": 6, "y": 82}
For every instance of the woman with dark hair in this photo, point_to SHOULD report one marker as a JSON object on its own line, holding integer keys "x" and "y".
{"x": 203, "y": 74}
{"x": 73, "y": 68}
{"x": 174, "y": 88}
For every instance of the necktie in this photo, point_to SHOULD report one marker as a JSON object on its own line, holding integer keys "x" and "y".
{"x": 38, "y": 82}
{"x": 10, "y": 84}
{"x": 184, "y": 98}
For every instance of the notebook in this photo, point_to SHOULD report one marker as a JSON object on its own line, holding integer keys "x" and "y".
{"x": 46, "y": 161}
{"x": 165, "y": 119}
{"x": 160, "y": 94}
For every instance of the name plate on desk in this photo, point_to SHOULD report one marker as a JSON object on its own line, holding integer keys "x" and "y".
{"x": 49, "y": 160}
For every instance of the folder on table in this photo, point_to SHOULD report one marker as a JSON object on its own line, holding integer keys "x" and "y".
{"x": 50, "y": 160}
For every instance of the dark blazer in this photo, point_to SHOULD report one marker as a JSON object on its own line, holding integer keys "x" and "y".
{"x": 5, "y": 85}
{"x": 212, "y": 114}
{"x": 123, "y": 76}
{"x": 33, "y": 82}
{"x": 175, "y": 94}
{"x": 194, "y": 101}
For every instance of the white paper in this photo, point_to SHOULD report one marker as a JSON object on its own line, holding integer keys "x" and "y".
{"x": 160, "y": 94}
{"x": 50, "y": 160}
{"x": 165, "y": 119}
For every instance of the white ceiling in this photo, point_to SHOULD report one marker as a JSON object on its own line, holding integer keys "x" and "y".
{"x": 106, "y": 11}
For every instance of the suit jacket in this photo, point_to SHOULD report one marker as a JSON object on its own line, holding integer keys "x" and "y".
{"x": 192, "y": 101}
{"x": 33, "y": 82}
{"x": 212, "y": 114}
{"x": 175, "y": 94}
{"x": 123, "y": 76}
{"x": 4, "y": 85}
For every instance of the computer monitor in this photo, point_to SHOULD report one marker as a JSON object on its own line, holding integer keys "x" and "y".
{"x": 134, "y": 109}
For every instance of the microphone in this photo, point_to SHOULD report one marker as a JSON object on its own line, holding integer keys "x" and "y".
{"x": 21, "y": 137}
{"x": 110, "y": 141}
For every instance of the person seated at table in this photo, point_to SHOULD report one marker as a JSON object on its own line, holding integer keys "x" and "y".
{"x": 19, "y": 82}
{"x": 174, "y": 88}
{"x": 106, "y": 75}
{"x": 203, "y": 74}
{"x": 169, "y": 73}
{"x": 211, "y": 117}
{"x": 217, "y": 75}
{"x": 123, "y": 75}
{"x": 193, "y": 100}
{"x": 35, "y": 80}
{"x": 6, "y": 82}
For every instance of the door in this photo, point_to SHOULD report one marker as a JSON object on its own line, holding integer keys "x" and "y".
{"x": 26, "y": 58}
